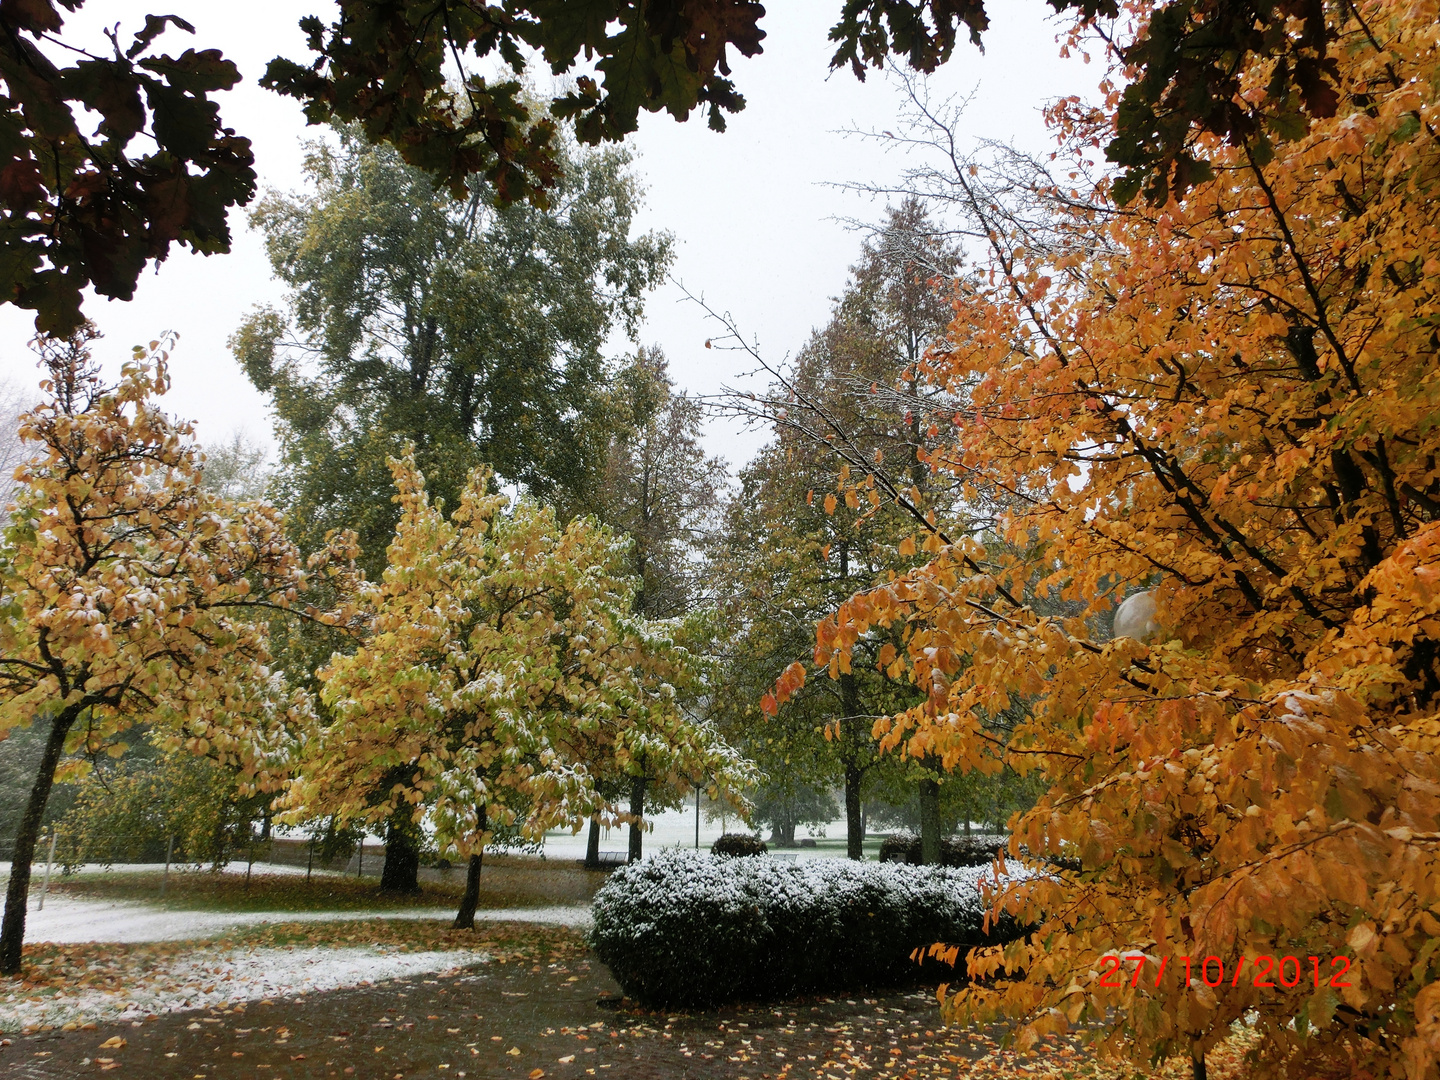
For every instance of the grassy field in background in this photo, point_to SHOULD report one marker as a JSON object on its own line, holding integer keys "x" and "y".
{"x": 205, "y": 890}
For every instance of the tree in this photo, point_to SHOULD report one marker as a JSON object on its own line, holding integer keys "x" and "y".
{"x": 174, "y": 804}
{"x": 658, "y": 487}
{"x": 90, "y": 211}
{"x": 1229, "y": 402}
{"x": 236, "y": 469}
{"x": 503, "y": 660}
{"x": 86, "y": 212}
{"x": 385, "y": 67}
{"x": 787, "y": 562}
{"x": 473, "y": 333}
{"x": 131, "y": 593}
{"x": 14, "y": 403}
{"x": 855, "y": 401}
{"x": 785, "y": 804}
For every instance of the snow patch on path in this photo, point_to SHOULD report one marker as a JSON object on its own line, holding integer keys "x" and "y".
{"x": 226, "y": 979}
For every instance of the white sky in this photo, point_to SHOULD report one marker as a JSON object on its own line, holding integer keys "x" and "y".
{"x": 751, "y": 210}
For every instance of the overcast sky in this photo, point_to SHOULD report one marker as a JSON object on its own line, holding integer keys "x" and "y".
{"x": 752, "y": 209}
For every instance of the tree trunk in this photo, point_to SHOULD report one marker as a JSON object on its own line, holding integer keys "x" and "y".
{"x": 465, "y": 917}
{"x": 929, "y": 821}
{"x": 265, "y": 823}
{"x": 637, "y": 808}
{"x": 783, "y": 833}
{"x": 12, "y": 929}
{"x": 592, "y": 844}
{"x": 401, "y": 871}
{"x": 854, "y": 831}
{"x": 1197, "y": 1065}
{"x": 851, "y": 739}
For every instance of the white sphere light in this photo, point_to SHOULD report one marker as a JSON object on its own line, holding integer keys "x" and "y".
{"x": 1135, "y": 617}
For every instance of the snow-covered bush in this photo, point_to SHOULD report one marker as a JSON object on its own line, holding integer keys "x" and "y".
{"x": 686, "y": 928}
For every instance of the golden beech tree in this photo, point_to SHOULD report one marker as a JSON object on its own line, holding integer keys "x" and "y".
{"x": 502, "y": 670}
{"x": 1230, "y": 402}
{"x": 131, "y": 595}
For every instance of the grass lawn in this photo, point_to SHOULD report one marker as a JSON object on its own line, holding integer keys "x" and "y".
{"x": 205, "y": 890}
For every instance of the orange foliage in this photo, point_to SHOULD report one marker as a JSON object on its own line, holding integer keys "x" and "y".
{"x": 1231, "y": 402}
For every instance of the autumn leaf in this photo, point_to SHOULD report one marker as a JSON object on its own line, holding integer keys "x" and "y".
{"x": 1224, "y": 779}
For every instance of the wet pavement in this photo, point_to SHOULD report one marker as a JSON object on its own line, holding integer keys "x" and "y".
{"x": 558, "y": 1019}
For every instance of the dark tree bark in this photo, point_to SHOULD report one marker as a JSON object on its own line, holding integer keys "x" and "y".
{"x": 401, "y": 871}
{"x": 592, "y": 844}
{"x": 851, "y": 737}
{"x": 929, "y": 821}
{"x": 465, "y": 917}
{"x": 12, "y": 930}
{"x": 783, "y": 833}
{"x": 1197, "y": 1066}
{"x": 854, "y": 830}
{"x": 637, "y": 808}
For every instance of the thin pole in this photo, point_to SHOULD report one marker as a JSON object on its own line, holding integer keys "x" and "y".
{"x": 169, "y": 852}
{"x": 697, "y": 817}
{"x": 50, "y": 858}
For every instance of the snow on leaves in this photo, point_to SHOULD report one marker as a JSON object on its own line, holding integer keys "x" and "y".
{"x": 1229, "y": 402}
{"x": 503, "y": 670}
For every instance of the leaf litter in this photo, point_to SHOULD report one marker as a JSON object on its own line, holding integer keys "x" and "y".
{"x": 72, "y": 985}
{"x": 505, "y": 999}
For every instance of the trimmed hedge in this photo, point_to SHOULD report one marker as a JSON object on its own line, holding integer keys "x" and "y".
{"x": 739, "y": 843}
{"x": 686, "y": 929}
{"x": 978, "y": 849}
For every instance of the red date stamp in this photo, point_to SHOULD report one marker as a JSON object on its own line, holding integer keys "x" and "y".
{"x": 1264, "y": 972}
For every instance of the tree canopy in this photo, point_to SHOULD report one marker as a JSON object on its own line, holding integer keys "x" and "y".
{"x": 502, "y": 674}
{"x": 131, "y": 594}
{"x": 1229, "y": 403}
{"x": 385, "y": 67}
{"x": 657, "y": 485}
{"x": 84, "y": 210}
{"x": 473, "y": 333}
{"x": 80, "y": 210}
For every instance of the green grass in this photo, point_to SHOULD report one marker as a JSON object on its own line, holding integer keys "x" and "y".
{"x": 203, "y": 890}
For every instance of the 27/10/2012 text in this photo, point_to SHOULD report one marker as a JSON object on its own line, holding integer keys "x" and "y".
{"x": 1265, "y": 971}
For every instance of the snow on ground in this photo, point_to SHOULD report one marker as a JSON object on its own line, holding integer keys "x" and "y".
{"x": 208, "y": 976}
{"x": 69, "y": 921}
{"x": 225, "y": 979}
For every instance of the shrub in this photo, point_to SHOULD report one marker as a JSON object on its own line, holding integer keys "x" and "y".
{"x": 735, "y": 843}
{"x": 685, "y": 929}
{"x": 896, "y": 847}
{"x": 978, "y": 849}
